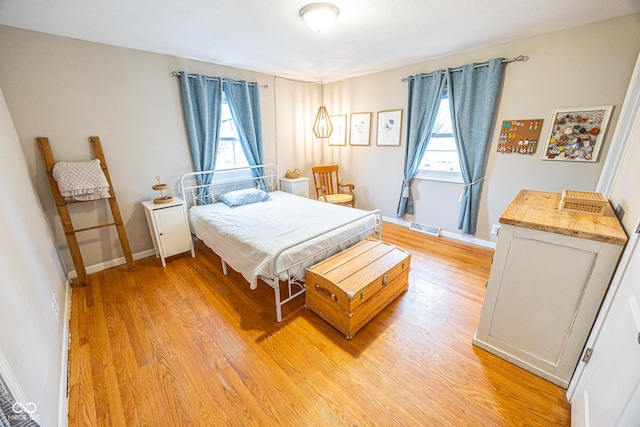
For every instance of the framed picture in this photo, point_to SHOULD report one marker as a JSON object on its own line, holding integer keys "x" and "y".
{"x": 360, "y": 128}
{"x": 389, "y": 126}
{"x": 576, "y": 134}
{"x": 339, "y": 134}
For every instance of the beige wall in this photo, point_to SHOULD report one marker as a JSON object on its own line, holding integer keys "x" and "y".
{"x": 68, "y": 90}
{"x": 589, "y": 65}
{"x": 297, "y": 103}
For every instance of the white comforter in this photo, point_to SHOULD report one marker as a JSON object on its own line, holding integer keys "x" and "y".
{"x": 247, "y": 237}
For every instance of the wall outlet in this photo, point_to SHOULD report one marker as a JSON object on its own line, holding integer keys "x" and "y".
{"x": 619, "y": 211}
{"x": 495, "y": 229}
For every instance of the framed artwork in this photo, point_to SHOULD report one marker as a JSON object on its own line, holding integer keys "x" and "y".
{"x": 339, "y": 134}
{"x": 576, "y": 134}
{"x": 389, "y": 126}
{"x": 360, "y": 128}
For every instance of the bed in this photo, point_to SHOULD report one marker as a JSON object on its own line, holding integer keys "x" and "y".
{"x": 273, "y": 240}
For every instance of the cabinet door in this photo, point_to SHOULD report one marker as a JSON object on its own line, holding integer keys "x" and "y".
{"x": 542, "y": 297}
{"x": 173, "y": 232}
{"x": 541, "y": 289}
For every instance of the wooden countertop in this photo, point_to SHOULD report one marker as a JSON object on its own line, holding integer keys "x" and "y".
{"x": 540, "y": 211}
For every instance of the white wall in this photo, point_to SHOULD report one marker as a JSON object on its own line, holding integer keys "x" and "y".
{"x": 589, "y": 65}
{"x": 31, "y": 337}
{"x": 625, "y": 190}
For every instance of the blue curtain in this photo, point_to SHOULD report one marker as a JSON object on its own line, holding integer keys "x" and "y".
{"x": 244, "y": 103}
{"x": 425, "y": 91}
{"x": 473, "y": 97}
{"x": 201, "y": 102}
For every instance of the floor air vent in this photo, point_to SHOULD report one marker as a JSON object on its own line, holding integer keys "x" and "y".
{"x": 427, "y": 229}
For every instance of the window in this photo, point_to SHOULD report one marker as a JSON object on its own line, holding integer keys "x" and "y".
{"x": 440, "y": 160}
{"x": 230, "y": 154}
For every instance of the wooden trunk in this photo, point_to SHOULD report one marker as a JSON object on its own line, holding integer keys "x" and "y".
{"x": 350, "y": 288}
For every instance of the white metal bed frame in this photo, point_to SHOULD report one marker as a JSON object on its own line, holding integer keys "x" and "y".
{"x": 266, "y": 177}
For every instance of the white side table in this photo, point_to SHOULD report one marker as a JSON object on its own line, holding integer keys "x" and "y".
{"x": 297, "y": 186}
{"x": 169, "y": 228}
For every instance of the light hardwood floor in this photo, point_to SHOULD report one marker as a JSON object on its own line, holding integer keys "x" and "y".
{"x": 186, "y": 345}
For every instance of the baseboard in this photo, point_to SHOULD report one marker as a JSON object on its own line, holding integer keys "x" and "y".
{"x": 468, "y": 239}
{"x": 447, "y": 234}
{"x": 10, "y": 382}
{"x": 63, "y": 406}
{"x": 112, "y": 263}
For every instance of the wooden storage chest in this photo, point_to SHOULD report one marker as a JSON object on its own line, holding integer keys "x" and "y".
{"x": 350, "y": 288}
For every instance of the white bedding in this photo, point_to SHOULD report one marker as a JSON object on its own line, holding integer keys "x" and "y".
{"x": 247, "y": 237}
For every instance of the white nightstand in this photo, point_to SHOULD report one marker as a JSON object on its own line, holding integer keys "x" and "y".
{"x": 297, "y": 186}
{"x": 169, "y": 228}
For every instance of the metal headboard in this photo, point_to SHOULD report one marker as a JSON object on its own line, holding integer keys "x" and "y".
{"x": 223, "y": 181}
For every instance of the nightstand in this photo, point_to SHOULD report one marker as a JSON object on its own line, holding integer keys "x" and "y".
{"x": 297, "y": 186}
{"x": 169, "y": 228}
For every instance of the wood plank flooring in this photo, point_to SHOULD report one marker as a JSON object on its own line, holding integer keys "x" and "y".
{"x": 187, "y": 345}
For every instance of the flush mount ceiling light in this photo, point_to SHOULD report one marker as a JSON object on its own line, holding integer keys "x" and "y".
{"x": 319, "y": 16}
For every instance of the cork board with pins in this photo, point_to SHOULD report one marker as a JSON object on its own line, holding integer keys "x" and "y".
{"x": 519, "y": 136}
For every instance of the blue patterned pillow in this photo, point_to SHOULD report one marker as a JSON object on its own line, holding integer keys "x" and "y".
{"x": 243, "y": 197}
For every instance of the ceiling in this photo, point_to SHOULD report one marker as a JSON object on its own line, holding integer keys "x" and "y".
{"x": 268, "y": 36}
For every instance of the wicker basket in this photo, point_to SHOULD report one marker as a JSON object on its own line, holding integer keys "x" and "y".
{"x": 162, "y": 200}
{"x": 293, "y": 174}
{"x": 583, "y": 202}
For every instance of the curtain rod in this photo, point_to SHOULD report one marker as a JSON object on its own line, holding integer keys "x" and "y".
{"x": 519, "y": 58}
{"x": 193, "y": 76}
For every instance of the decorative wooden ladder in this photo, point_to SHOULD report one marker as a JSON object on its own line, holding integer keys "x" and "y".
{"x": 65, "y": 217}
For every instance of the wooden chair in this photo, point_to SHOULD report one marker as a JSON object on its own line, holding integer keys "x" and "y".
{"x": 328, "y": 186}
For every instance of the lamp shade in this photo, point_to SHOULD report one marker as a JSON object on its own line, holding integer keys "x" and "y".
{"x": 319, "y": 16}
{"x": 322, "y": 127}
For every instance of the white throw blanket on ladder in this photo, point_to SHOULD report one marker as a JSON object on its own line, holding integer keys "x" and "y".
{"x": 81, "y": 180}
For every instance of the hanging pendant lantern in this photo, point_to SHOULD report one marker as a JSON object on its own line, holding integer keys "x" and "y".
{"x": 322, "y": 127}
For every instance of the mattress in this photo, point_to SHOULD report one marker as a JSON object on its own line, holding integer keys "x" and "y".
{"x": 248, "y": 237}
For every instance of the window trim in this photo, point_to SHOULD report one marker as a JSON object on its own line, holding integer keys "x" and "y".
{"x": 441, "y": 176}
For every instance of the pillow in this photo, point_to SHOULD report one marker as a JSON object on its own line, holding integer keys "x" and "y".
{"x": 243, "y": 197}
